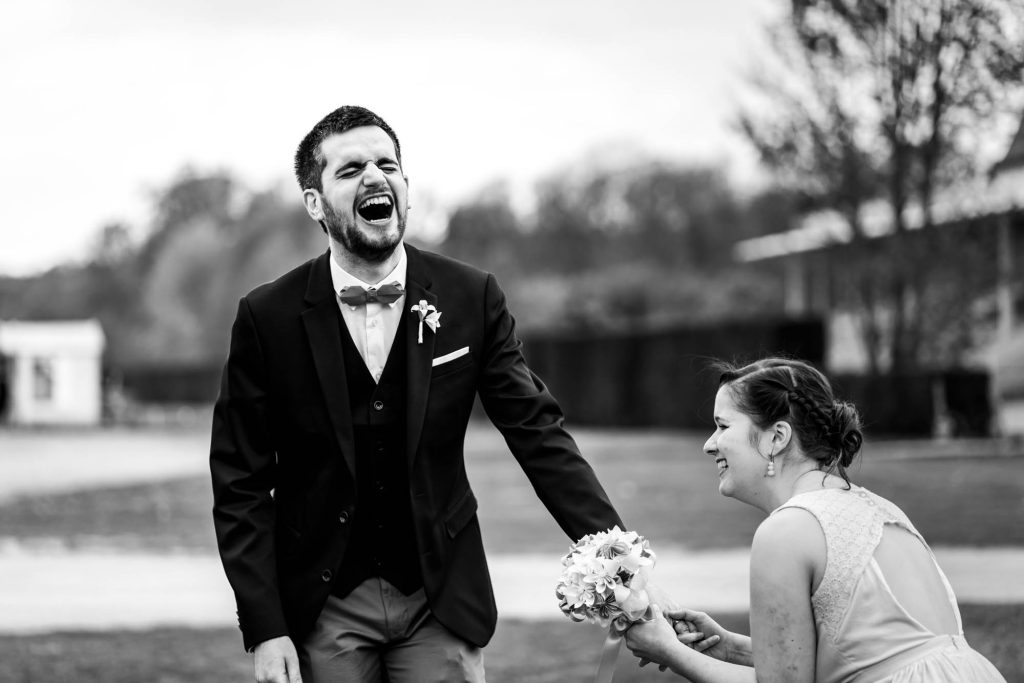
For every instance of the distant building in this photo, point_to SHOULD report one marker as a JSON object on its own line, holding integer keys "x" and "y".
{"x": 811, "y": 255}
{"x": 51, "y": 372}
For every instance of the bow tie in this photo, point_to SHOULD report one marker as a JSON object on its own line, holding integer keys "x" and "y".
{"x": 385, "y": 294}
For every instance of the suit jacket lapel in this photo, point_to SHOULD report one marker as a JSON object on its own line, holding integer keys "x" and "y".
{"x": 419, "y": 357}
{"x": 321, "y": 321}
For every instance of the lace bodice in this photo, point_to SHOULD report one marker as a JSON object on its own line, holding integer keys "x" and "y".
{"x": 853, "y": 526}
{"x": 863, "y": 632}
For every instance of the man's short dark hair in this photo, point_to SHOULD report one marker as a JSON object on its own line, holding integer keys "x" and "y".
{"x": 309, "y": 158}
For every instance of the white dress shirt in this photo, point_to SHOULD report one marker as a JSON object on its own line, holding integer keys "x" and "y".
{"x": 374, "y": 325}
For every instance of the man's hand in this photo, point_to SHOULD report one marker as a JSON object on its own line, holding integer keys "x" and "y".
{"x": 660, "y": 598}
{"x": 277, "y": 661}
{"x": 663, "y": 601}
{"x": 689, "y": 631}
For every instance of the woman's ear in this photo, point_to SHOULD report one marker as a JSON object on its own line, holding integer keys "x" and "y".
{"x": 782, "y": 436}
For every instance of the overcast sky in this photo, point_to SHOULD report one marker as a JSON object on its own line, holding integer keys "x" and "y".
{"x": 107, "y": 100}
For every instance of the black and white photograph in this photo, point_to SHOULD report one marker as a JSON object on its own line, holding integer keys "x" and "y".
{"x": 567, "y": 341}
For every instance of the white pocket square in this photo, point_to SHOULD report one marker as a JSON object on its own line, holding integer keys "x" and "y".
{"x": 459, "y": 353}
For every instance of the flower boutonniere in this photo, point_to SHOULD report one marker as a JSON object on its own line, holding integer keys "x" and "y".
{"x": 429, "y": 315}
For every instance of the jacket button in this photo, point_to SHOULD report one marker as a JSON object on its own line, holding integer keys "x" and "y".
{"x": 343, "y": 517}
{"x": 378, "y": 405}
{"x": 326, "y": 575}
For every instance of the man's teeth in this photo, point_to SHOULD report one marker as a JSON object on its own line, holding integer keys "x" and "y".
{"x": 722, "y": 464}
{"x": 376, "y": 209}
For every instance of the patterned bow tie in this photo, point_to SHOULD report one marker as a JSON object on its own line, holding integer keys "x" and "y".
{"x": 385, "y": 294}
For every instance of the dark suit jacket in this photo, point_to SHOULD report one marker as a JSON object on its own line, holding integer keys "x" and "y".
{"x": 282, "y": 455}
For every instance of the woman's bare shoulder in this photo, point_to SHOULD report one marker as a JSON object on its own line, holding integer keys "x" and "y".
{"x": 790, "y": 536}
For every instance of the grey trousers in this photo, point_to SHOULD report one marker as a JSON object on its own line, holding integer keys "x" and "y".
{"x": 376, "y": 634}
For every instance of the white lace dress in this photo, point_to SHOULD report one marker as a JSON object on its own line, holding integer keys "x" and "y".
{"x": 864, "y": 634}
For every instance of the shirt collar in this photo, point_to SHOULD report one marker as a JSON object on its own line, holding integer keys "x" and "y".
{"x": 341, "y": 278}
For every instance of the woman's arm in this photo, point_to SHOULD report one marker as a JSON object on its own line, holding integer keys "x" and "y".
{"x": 787, "y": 553}
{"x": 717, "y": 642}
{"x": 657, "y": 641}
{"x": 787, "y": 550}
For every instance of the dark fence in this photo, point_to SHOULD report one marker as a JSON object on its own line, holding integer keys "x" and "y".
{"x": 643, "y": 379}
{"x": 969, "y": 401}
{"x": 918, "y": 404}
{"x": 168, "y": 384}
{"x": 659, "y": 378}
{"x": 662, "y": 379}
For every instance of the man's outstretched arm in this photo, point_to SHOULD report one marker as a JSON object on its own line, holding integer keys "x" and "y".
{"x": 530, "y": 419}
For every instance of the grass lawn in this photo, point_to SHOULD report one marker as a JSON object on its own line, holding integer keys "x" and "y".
{"x": 661, "y": 483}
{"x": 521, "y": 652}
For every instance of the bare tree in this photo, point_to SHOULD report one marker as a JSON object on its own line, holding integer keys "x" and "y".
{"x": 887, "y": 100}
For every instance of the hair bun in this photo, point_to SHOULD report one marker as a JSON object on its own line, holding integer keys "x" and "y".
{"x": 846, "y": 431}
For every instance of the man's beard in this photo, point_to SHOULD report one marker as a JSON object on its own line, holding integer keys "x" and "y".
{"x": 346, "y": 232}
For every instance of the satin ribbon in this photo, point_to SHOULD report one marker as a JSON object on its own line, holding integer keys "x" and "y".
{"x": 616, "y": 631}
{"x": 609, "y": 656}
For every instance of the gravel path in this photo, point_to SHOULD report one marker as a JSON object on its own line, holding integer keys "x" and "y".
{"x": 60, "y": 461}
{"x": 56, "y": 590}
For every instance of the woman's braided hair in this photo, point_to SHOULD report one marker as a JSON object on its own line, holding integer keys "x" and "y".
{"x": 773, "y": 389}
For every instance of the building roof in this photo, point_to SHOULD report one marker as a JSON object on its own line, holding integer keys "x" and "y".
{"x": 820, "y": 229}
{"x": 1002, "y": 192}
{"x": 53, "y": 337}
{"x": 1015, "y": 155}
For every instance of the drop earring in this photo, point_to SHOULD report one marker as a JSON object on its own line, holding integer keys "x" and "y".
{"x": 770, "y": 472}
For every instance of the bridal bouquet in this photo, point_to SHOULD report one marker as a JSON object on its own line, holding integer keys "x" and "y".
{"x": 603, "y": 578}
{"x": 602, "y": 582}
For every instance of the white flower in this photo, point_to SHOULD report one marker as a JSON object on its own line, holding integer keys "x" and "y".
{"x": 598, "y": 573}
{"x": 433, "y": 320}
{"x": 428, "y": 314}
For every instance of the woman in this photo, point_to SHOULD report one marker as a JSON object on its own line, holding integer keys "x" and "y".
{"x": 842, "y": 586}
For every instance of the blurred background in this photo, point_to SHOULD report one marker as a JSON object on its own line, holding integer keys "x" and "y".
{"x": 654, "y": 185}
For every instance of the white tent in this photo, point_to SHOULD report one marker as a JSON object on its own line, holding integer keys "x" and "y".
{"x": 52, "y": 372}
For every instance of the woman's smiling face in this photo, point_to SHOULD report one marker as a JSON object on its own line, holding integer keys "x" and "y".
{"x": 736, "y": 447}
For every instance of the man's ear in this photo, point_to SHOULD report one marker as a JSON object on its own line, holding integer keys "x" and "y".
{"x": 313, "y": 202}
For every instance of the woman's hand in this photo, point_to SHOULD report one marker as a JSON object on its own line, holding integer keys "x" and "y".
{"x": 655, "y": 640}
{"x": 717, "y": 642}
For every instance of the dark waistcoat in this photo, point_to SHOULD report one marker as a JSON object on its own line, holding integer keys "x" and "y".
{"x": 383, "y": 541}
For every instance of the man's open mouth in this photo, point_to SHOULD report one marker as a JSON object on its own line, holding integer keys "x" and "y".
{"x": 376, "y": 208}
